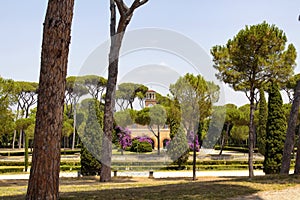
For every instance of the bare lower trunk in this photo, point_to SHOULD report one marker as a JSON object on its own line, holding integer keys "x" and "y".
{"x": 194, "y": 157}
{"x": 44, "y": 174}
{"x": 251, "y": 134}
{"x": 116, "y": 34}
{"x": 158, "y": 140}
{"x": 20, "y": 139}
{"x": 74, "y": 129}
{"x": 290, "y": 134}
{"x": 297, "y": 165}
{"x": 224, "y": 138}
{"x": 105, "y": 174}
{"x": 297, "y": 162}
{"x": 14, "y": 139}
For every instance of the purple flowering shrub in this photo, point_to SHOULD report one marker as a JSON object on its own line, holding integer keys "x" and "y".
{"x": 144, "y": 139}
{"x": 124, "y": 137}
{"x": 141, "y": 144}
{"x": 190, "y": 138}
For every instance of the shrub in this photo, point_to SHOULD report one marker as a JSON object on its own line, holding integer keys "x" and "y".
{"x": 178, "y": 148}
{"x": 141, "y": 147}
{"x": 89, "y": 164}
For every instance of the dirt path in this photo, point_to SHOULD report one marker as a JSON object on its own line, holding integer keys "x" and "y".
{"x": 292, "y": 193}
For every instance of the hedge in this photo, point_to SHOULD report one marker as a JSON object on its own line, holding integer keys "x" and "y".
{"x": 234, "y": 148}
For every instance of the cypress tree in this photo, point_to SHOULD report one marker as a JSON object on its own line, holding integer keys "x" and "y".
{"x": 262, "y": 123}
{"x": 178, "y": 148}
{"x": 275, "y": 134}
{"x": 91, "y": 142}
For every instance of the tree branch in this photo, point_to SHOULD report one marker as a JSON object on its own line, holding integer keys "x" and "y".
{"x": 122, "y": 7}
{"x": 135, "y": 5}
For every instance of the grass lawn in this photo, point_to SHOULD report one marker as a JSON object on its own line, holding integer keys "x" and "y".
{"x": 144, "y": 188}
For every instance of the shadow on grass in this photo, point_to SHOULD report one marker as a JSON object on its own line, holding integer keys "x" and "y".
{"x": 187, "y": 190}
{"x": 270, "y": 179}
{"x": 214, "y": 189}
{"x": 163, "y": 188}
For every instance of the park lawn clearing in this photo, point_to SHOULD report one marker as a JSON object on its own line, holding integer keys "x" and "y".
{"x": 163, "y": 188}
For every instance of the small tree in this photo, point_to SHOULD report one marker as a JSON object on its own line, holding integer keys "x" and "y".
{"x": 154, "y": 117}
{"x": 276, "y": 127}
{"x": 178, "y": 148}
{"x": 192, "y": 137}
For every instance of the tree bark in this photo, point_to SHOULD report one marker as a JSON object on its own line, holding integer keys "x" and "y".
{"x": 74, "y": 129}
{"x": 158, "y": 140}
{"x": 44, "y": 174}
{"x": 14, "y": 139}
{"x": 26, "y": 139}
{"x": 116, "y": 35}
{"x": 224, "y": 138}
{"x": 297, "y": 164}
{"x": 194, "y": 156}
{"x": 251, "y": 133}
{"x": 290, "y": 134}
{"x": 20, "y": 139}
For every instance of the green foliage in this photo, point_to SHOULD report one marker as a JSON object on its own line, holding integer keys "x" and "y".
{"x": 91, "y": 141}
{"x": 140, "y": 147}
{"x": 195, "y": 96}
{"x": 173, "y": 117}
{"x": 157, "y": 115}
{"x": 94, "y": 84}
{"x": 178, "y": 148}
{"x": 127, "y": 92}
{"x": 239, "y": 133}
{"x": 124, "y": 118}
{"x": 7, "y": 98}
{"x": 89, "y": 164}
{"x": 276, "y": 129}
{"x": 256, "y": 54}
{"x": 262, "y": 123}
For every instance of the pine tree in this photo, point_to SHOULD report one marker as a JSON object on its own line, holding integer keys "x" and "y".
{"x": 275, "y": 134}
{"x": 262, "y": 123}
{"x": 91, "y": 142}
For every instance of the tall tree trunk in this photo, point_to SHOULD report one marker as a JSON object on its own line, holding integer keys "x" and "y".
{"x": 194, "y": 156}
{"x": 116, "y": 35}
{"x": 105, "y": 174}
{"x": 158, "y": 140}
{"x": 74, "y": 129}
{"x": 20, "y": 139}
{"x": 224, "y": 138}
{"x": 14, "y": 139}
{"x": 290, "y": 134}
{"x": 251, "y": 133}
{"x": 26, "y": 139}
{"x": 297, "y": 164}
{"x": 44, "y": 174}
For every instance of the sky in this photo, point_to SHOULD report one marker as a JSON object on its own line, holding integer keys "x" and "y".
{"x": 206, "y": 23}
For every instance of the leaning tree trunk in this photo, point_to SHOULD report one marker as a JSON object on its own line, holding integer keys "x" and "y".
{"x": 290, "y": 134}
{"x": 44, "y": 174}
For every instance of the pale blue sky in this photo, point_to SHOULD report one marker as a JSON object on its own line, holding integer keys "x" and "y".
{"x": 206, "y": 22}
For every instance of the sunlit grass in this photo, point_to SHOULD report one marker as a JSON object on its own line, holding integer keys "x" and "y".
{"x": 166, "y": 188}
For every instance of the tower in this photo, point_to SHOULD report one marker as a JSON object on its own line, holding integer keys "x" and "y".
{"x": 150, "y": 98}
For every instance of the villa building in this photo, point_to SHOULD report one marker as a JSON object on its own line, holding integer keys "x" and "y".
{"x": 138, "y": 130}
